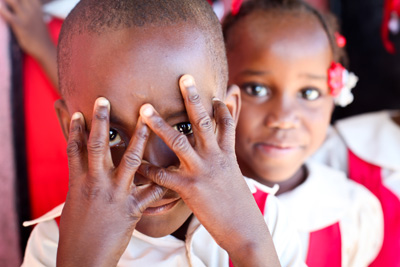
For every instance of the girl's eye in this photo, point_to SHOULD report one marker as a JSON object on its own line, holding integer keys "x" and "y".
{"x": 184, "y": 128}
{"x": 310, "y": 94}
{"x": 115, "y": 138}
{"x": 257, "y": 90}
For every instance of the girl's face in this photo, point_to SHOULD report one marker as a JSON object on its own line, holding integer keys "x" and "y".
{"x": 280, "y": 62}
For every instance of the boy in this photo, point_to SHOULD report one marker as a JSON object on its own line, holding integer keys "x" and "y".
{"x": 135, "y": 182}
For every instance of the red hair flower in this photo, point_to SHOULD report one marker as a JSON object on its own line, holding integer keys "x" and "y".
{"x": 340, "y": 40}
{"x": 341, "y": 82}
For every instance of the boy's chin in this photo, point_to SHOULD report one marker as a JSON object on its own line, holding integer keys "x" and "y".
{"x": 165, "y": 223}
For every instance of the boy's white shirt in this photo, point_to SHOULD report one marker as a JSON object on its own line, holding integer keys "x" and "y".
{"x": 373, "y": 137}
{"x": 326, "y": 197}
{"x": 199, "y": 249}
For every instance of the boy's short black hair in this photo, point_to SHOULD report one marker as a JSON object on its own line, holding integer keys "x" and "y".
{"x": 98, "y": 16}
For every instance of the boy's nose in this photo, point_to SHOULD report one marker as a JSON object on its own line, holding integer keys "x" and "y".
{"x": 282, "y": 114}
{"x": 158, "y": 153}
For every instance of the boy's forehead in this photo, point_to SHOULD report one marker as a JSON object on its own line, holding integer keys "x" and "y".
{"x": 134, "y": 66}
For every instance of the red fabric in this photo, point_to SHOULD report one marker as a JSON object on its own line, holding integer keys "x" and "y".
{"x": 46, "y": 146}
{"x": 261, "y": 199}
{"x": 236, "y": 4}
{"x": 389, "y": 7}
{"x": 369, "y": 175}
{"x": 325, "y": 247}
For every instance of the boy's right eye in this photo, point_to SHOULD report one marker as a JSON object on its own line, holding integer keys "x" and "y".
{"x": 254, "y": 89}
{"x": 115, "y": 138}
{"x": 184, "y": 128}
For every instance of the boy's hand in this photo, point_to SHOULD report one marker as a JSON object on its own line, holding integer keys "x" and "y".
{"x": 103, "y": 204}
{"x": 209, "y": 179}
{"x": 25, "y": 17}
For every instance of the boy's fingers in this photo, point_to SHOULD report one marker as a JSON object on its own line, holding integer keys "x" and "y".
{"x": 175, "y": 140}
{"x": 14, "y": 5}
{"x": 6, "y": 14}
{"x": 201, "y": 122}
{"x": 134, "y": 153}
{"x": 147, "y": 194}
{"x": 98, "y": 147}
{"x": 161, "y": 176}
{"x": 75, "y": 147}
{"x": 225, "y": 126}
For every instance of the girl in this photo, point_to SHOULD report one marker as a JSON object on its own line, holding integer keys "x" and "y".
{"x": 284, "y": 57}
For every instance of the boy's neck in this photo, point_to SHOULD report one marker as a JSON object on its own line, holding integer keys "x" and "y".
{"x": 181, "y": 232}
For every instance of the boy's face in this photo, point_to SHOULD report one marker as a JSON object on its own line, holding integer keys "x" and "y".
{"x": 281, "y": 68}
{"x": 132, "y": 67}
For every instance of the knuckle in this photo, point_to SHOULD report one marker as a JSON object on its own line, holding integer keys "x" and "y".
{"x": 132, "y": 159}
{"x": 179, "y": 143}
{"x": 96, "y": 146}
{"x": 194, "y": 99}
{"x": 76, "y": 129}
{"x": 73, "y": 148}
{"x": 144, "y": 134}
{"x": 101, "y": 115}
{"x": 228, "y": 122}
{"x": 158, "y": 123}
{"x": 90, "y": 192}
{"x": 160, "y": 176}
{"x": 205, "y": 123}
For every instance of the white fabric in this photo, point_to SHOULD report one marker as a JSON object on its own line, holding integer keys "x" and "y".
{"x": 59, "y": 8}
{"x": 199, "y": 250}
{"x": 373, "y": 137}
{"x": 327, "y": 197}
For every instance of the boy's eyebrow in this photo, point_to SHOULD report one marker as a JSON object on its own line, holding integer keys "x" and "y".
{"x": 175, "y": 114}
{"x": 250, "y": 72}
{"x": 115, "y": 120}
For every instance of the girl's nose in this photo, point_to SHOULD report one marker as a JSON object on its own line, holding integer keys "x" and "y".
{"x": 282, "y": 113}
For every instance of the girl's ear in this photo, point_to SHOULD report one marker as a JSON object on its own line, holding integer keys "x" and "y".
{"x": 63, "y": 116}
{"x": 233, "y": 101}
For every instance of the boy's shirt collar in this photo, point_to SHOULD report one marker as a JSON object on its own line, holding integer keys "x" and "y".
{"x": 254, "y": 186}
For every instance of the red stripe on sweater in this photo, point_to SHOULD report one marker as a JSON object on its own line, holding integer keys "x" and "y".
{"x": 370, "y": 176}
{"x": 325, "y": 247}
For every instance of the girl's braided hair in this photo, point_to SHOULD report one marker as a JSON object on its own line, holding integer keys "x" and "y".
{"x": 328, "y": 21}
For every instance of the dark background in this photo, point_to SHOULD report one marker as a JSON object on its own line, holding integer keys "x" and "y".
{"x": 379, "y": 72}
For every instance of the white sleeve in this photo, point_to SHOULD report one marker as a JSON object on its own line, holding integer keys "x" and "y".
{"x": 41, "y": 249}
{"x": 362, "y": 228}
{"x": 333, "y": 152}
{"x": 284, "y": 234}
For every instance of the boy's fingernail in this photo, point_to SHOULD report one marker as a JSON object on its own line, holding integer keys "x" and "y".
{"x": 233, "y": 86}
{"x": 76, "y": 116}
{"x": 187, "y": 81}
{"x": 216, "y": 99}
{"x": 147, "y": 111}
{"x": 103, "y": 102}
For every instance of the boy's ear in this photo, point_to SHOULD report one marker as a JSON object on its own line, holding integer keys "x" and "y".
{"x": 63, "y": 116}
{"x": 233, "y": 101}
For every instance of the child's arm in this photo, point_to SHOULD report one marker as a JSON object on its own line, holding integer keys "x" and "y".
{"x": 103, "y": 205}
{"x": 210, "y": 182}
{"x": 26, "y": 20}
